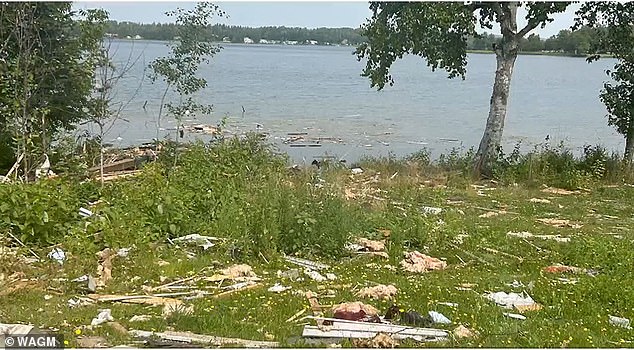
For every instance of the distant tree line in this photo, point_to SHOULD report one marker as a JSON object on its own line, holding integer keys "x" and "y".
{"x": 576, "y": 42}
{"x": 569, "y": 42}
{"x": 236, "y": 34}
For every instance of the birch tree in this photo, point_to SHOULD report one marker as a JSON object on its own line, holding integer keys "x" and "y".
{"x": 438, "y": 32}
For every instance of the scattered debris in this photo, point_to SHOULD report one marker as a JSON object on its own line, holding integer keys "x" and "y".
{"x": 351, "y": 329}
{"x": 238, "y": 288}
{"x": 563, "y": 269}
{"x": 104, "y": 269}
{"x": 187, "y": 337}
{"x": 102, "y": 317}
{"x": 417, "y": 262}
{"x": 237, "y": 271}
{"x": 356, "y": 311}
{"x": 515, "y": 316}
{"x": 15, "y": 328}
{"x": 177, "y": 308}
{"x": 380, "y": 341}
{"x": 79, "y": 301}
{"x": 292, "y": 274}
{"x": 437, "y": 317}
{"x": 331, "y": 276}
{"x": 539, "y": 200}
{"x": 522, "y": 302}
{"x": 314, "y": 275}
{"x": 515, "y": 284}
{"x": 306, "y": 263}
{"x": 198, "y": 240}
{"x": 464, "y": 332}
{"x": 85, "y": 212}
{"x": 368, "y": 246}
{"x": 431, "y": 210}
{"x": 525, "y": 234}
{"x": 491, "y": 214}
{"x": 118, "y": 327}
{"x": 91, "y": 342}
{"x": 203, "y": 129}
{"x": 58, "y": 255}
{"x": 296, "y": 315}
{"x": 123, "y": 252}
{"x": 278, "y": 288}
{"x": 448, "y": 304}
{"x": 560, "y": 191}
{"x": 356, "y": 171}
{"x": 140, "y": 318}
{"x": 378, "y": 292}
{"x": 559, "y": 223}
{"x": 167, "y": 303}
{"x": 619, "y": 322}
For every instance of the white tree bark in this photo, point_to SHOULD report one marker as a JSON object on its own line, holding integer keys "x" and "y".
{"x": 492, "y": 138}
{"x": 505, "y": 54}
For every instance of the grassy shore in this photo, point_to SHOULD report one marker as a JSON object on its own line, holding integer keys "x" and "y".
{"x": 259, "y": 209}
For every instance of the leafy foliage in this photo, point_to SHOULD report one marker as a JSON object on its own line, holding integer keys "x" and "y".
{"x": 192, "y": 48}
{"x": 45, "y": 76}
{"x": 618, "y": 39}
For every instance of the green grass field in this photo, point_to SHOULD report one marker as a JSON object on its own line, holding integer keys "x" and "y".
{"x": 313, "y": 214}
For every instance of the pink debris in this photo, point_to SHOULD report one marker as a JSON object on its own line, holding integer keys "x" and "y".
{"x": 417, "y": 262}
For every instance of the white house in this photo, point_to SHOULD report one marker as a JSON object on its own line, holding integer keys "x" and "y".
{"x": 248, "y": 40}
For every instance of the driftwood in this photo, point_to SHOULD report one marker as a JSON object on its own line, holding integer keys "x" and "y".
{"x": 187, "y": 337}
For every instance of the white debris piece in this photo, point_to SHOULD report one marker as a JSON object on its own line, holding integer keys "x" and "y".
{"x": 515, "y": 316}
{"x": 510, "y": 300}
{"x": 123, "y": 252}
{"x": 85, "y": 212}
{"x": 620, "y": 322}
{"x": 58, "y": 255}
{"x": 437, "y": 317}
{"x": 278, "y": 288}
{"x": 314, "y": 275}
{"x": 431, "y": 210}
{"x": 199, "y": 240}
{"x": 103, "y": 317}
{"x": 356, "y": 171}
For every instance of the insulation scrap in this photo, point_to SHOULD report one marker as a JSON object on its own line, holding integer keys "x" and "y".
{"x": 525, "y": 234}
{"x": 373, "y": 246}
{"x": 559, "y": 223}
{"x": 380, "y": 341}
{"x": 378, "y": 292}
{"x": 417, "y": 262}
{"x": 236, "y": 271}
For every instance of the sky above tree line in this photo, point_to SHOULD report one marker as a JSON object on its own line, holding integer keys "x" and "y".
{"x": 290, "y": 14}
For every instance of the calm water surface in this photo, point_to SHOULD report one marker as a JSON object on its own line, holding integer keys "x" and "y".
{"x": 319, "y": 90}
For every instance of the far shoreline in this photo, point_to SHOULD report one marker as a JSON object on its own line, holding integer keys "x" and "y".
{"x": 480, "y": 52}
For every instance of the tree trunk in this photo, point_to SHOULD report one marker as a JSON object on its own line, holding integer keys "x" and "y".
{"x": 629, "y": 143}
{"x": 492, "y": 138}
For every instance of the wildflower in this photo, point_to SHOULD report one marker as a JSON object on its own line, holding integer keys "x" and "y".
{"x": 77, "y": 331}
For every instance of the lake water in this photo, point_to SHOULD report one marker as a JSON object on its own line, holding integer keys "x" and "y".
{"x": 319, "y": 90}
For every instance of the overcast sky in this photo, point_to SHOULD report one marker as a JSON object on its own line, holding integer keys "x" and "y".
{"x": 290, "y": 14}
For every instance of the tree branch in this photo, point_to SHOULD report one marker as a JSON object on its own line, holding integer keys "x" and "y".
{"x": 530, "y": 26}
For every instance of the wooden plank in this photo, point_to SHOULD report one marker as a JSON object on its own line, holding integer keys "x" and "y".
{"x": 313, "y": 331}
{"x": 187, "y": 337}
{"x": 338, "y": 324}
{"x": 120, "y": 165}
